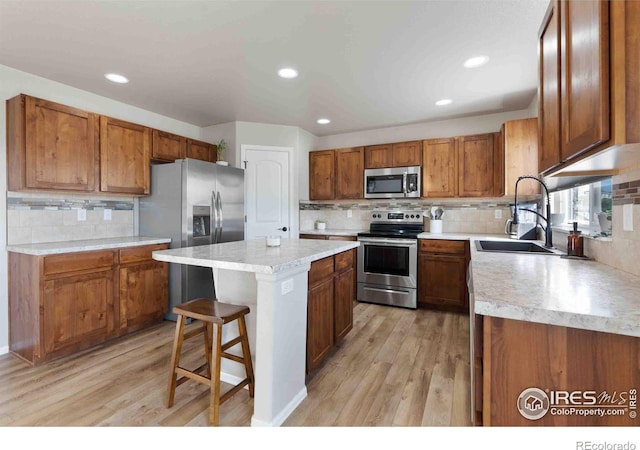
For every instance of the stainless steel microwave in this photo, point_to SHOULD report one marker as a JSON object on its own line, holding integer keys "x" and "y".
{"x": 392, "y": 182}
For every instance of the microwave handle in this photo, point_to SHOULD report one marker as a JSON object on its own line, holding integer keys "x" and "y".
{"x": 404, "y": 184}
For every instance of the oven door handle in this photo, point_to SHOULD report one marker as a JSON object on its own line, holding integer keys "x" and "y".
{"x": 404, "y": 184}
{"x": 390, "y": 242}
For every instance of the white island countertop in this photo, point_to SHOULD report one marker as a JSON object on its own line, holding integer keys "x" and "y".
{"x": 52, "y": 248}
{"x": 254, "y": 255}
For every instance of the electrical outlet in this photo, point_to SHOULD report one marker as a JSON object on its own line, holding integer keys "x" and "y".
{"x": 349, "y": 214}
{"x": 82, "y": 215}
{"x": 107, "y": 214}
{"x": 497, "y": 214}
{"x": 287, "y": 286}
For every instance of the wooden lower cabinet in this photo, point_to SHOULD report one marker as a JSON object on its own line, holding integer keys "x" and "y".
{"x": 65, "y": 303}
{"x": 329, "y": 305}
{"x": 319, "y": 323}
{"x": 77, "y": 312}
{"x": 144, "y": 290}
{"x": 594, "y": 373}
{"x": 343, "y": 303}
{"x": 442, "y": 274}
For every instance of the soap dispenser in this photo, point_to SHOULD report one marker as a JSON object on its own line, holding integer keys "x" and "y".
{"x": 575, "y": 242}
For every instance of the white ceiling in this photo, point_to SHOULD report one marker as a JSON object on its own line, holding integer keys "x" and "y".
{"x": 363, "y": 64}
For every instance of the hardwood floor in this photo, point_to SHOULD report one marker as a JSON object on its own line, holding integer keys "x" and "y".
{"x": 397, "y": 367}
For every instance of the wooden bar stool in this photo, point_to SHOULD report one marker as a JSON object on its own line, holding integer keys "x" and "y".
{"x": 213, "y": 315}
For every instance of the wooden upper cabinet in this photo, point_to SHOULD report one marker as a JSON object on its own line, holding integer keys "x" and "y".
{"x": 322, "y": 175}
{"x": 167, "y": 147}
{"x": 407, "y": 154}
{"x": 520, "y": 141}
{"x": 124, "y": 157}
{"x": 201, "y": 150}
{"x": 439, "y": 174}
{"x": 476, "y": 165}
{"x": 584, "y": 65}
{"x": 399, "y": 154}
{"x": 378, "y": 156}
{"x": 50, "y": 146}
{"x": 350, "y": 173}
{"x": 549, "y": 89}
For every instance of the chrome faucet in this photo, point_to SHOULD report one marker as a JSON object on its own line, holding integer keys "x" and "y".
{"x": 548, "y": 235}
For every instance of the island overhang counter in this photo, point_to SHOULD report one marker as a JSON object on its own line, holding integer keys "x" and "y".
{"x": 272, "y": 281}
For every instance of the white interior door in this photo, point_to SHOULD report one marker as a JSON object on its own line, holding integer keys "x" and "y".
{"x": 268, "y": 191}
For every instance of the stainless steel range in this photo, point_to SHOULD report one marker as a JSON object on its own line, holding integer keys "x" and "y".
{"x": 388, "y": 259}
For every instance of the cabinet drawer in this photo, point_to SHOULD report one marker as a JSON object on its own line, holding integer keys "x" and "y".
{"x": 142, "y": 253}
{"x": 320, "y": 270}
{"x": 442, "y": 246}
{"x": 344, "y": 260}
{"x": 73, "y": 262}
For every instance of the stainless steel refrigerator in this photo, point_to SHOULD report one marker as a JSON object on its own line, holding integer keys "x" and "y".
{"x": 194, "y": 203}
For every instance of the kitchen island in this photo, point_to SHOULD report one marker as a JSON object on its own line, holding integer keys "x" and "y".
{"x": 273, "y": 282}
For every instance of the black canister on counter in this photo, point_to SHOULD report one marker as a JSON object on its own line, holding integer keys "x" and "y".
{"x": 575, "y": 242}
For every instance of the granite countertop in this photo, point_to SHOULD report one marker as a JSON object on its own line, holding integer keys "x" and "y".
{"x": 254, "y": 256}
{"x": 332, "y": 232}
{"x": 549, "y": 289}
{"x": 552, "y": 290}
{"x": 52, "y": 248}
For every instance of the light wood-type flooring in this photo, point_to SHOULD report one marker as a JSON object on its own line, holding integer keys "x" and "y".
{"x": 397, "y": 367}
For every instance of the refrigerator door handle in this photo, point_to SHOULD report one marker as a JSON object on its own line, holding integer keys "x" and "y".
{"x": 220, "y": 217}
{"x": 214, "y": 214}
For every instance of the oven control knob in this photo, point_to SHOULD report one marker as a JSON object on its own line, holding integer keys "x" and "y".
{"x": 406, "y": 216}
{"x": 412, "y": 216}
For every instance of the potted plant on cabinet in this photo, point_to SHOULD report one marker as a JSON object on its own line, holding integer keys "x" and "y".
{"x": 222, "y": 145}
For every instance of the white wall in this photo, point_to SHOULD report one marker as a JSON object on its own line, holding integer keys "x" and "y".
{"x": 426, "y": 130}
{"x": 14, "y": 82}
{"x": 226, "y": 131}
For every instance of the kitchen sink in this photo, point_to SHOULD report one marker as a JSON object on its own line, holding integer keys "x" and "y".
{"x": 513, "y": 247}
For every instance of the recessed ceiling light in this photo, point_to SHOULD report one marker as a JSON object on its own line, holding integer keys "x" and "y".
{"x": 116, "y": 78}
{"x": 288, "y": 72}
{"x": 444, "y": 101}
{"x": 476, "y": 61}
{"x": 323, "y": 121}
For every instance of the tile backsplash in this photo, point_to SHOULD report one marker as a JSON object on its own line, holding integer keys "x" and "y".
{"x": 460, "y": 215}
{"x": 37, "y": 218}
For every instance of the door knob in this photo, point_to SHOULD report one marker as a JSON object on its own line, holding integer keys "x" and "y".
{"x": 283, "y": 229}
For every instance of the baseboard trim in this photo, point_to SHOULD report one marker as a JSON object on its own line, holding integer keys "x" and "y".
{"x": 286, "y": 411}
{"x": 4, "y": 350}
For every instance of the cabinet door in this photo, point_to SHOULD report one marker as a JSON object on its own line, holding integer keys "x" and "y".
{"x": 168, "y": 147}
{"x": 407, "y": 154}
{"x": 343, "y": 304}
{"x": 439, "y": 174}
{"x": 350, "y": 173}
{"x": 319, "y": 323}
{"x": 476, "y": 177}
{"x": 61, "y": 146}
{"x": 124, "y": 157}
{"x": 442, "y": 281}
{"x": 200, "y": 150}
{"x": 549, "y": 88}
{"x": 378, "y": 156}
{"x": 143, "y": 294}
{"x": 322, "y": 175}
{"x": 584, "y": 66}
{"x": 520, "y": 138}
{"x": 77, "y": 311}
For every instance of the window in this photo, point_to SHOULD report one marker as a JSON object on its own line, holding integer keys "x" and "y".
{"x": 589, "y": 205}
